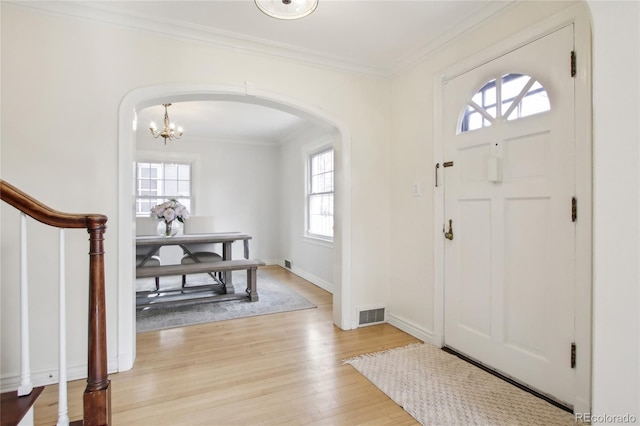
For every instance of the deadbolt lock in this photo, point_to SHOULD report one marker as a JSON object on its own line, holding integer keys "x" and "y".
{"x": 449, "y": 234}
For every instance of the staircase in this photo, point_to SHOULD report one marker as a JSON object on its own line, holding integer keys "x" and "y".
{"x": 14, "y": 408}
{"x": 17, "y": 405}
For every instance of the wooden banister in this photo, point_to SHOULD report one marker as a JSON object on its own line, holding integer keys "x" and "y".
{"x": 97, "y": 395}
{"x": 45, "y": 214}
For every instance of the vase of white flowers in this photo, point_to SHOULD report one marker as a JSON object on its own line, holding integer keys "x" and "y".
{"x": 172, "y": 215}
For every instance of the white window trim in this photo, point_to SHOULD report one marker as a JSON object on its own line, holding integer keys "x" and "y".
{"x": 317, "y": 240}
{"x": 309, "y": 150}
{"x": 175, "y": 157}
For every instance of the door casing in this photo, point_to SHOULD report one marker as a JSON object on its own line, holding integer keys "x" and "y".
{"x": 578, "y": 16}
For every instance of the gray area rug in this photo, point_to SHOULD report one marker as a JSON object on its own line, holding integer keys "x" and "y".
{"x": 438, "y": 388}
{"x": 274, "y": 297}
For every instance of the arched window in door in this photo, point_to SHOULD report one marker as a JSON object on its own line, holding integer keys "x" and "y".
{"x": 510, "y": 97}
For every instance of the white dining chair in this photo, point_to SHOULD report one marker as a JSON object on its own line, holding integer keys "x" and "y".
{"x": 147, "y": 226}
{"x": 199, "y": 253}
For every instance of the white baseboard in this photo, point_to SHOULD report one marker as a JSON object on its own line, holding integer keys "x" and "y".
{"x": 410, "y": 328}
{"x": 581, "y": 406}
{"x": 325, "y": 285}
{"x": 437, "y": 340}
{"x": 49, "y": 377}
{"x": 312, "y": 279}
{"x": 43, "y": 378}
{"x": 125, "y": 362}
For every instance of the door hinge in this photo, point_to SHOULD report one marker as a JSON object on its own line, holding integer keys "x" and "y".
{"x": 437, "y": 167}
{"x": 574, "y": 209}
{"x": 573, "y": 63}
{"x": 573, "y": 355}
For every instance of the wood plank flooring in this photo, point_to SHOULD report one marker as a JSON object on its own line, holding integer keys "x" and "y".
{"x": 280, "y": 369}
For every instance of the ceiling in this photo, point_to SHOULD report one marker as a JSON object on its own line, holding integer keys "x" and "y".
{"x": 374, "y": 37}
{"x": 224, "y": 121}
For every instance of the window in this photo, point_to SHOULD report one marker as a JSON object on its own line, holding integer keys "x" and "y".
{"x": 320, "y": 194}
{"x": 157, "y": 182}
{"x": 512, "y": 96}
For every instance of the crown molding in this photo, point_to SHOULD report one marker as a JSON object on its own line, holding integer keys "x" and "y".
{"x": 235, "y": 41}
{"x": 306, "y": 129}
{"x": 455, "y": 32}
{"x": 188, "y": 31}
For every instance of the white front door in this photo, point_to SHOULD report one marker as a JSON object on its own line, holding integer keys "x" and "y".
{"x": 509, "y": 179}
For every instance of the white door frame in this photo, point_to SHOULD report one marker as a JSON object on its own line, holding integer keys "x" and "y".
{"x": 578, "y": 16}
{"x": 141, "y": 98}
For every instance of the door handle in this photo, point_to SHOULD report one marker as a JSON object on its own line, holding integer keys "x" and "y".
{"x": 449, "y": 235}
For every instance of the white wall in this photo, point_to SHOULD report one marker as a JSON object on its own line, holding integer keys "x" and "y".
{"x": 309, "y": 258}
{"x": 63, "y": 80}
{"x": 616, "y": 295}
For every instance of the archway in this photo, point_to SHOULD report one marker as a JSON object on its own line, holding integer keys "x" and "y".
{"x": 141, "y": 98}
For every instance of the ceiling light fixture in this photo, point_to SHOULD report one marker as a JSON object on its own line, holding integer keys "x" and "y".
{"x": 168, "y": 129}
{"x": 287, "y": 9}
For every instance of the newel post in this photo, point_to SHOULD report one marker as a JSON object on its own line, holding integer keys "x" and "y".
{"x": 97, "y": 395}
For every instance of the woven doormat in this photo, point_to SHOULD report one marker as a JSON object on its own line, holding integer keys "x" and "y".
{"x": 438, "y": 388}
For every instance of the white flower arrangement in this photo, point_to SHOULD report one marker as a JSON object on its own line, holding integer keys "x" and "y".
{"x": 169, "y": 211}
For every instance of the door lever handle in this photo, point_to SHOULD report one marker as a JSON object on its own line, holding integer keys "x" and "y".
{"x": 449, "y": 235}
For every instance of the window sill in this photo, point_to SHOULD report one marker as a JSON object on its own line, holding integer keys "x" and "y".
{"x": 323, "y": 242}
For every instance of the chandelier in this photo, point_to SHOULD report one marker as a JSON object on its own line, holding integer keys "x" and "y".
{"x": 287, "y": 9}
{"x": 168, "y": 129}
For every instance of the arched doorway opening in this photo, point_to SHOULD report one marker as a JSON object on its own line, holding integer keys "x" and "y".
{"x": 144, "y": 97}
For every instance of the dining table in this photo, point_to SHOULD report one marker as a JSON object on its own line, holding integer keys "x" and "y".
{"x": 154, "y": 243}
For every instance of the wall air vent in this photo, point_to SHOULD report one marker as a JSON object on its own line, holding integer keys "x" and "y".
{"x": 371, "y": 316}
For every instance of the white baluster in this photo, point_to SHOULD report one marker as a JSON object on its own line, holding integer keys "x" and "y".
{"x": 26, "y": 386}
{"x": 63, "y": 410}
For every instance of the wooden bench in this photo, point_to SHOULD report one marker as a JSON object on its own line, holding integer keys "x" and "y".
{"x": 250, "y": 265}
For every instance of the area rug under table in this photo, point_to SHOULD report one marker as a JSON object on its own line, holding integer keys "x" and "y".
{"x": 274, "y": 297}
{"x": 438, "y": 388}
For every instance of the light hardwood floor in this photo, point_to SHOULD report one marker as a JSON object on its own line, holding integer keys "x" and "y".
{"x": 279, "y": 369}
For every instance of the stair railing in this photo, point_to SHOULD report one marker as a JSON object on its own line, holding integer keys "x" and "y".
{"x": 97, "y": 394}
